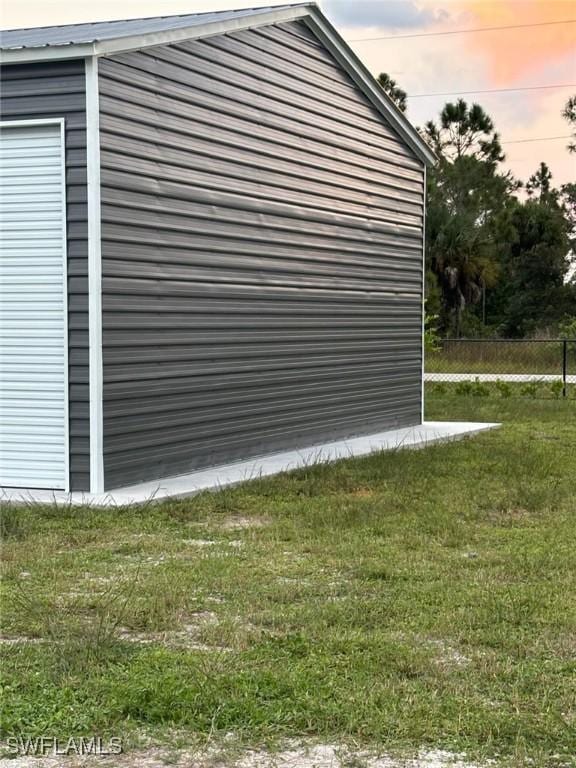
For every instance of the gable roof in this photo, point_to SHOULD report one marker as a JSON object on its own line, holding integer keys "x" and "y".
{"x": 98, "y": 31}
{"x": 108, "y": 37}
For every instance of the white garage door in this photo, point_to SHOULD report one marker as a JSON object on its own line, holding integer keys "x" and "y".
{"x": 33, "y": 329}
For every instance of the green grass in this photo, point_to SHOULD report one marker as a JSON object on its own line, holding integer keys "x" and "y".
{"x": 402, "y": 601}
{"x": 474, "y": 387}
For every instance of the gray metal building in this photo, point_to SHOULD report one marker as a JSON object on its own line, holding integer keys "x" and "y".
{"x": 211, "y": 232}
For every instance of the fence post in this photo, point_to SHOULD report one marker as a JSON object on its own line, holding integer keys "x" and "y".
{"x": 564, "y": 365}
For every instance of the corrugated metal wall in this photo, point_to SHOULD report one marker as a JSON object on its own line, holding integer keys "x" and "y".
{"x": 262, "y": 255}
{"x": 56, "y": 89}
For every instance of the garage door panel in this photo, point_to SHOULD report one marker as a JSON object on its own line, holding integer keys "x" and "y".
{"x": 39, "y": 338}
{"x": 33, "y": 307}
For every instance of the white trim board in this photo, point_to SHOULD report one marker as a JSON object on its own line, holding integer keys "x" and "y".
{"x": 214, "y": 478}
{"x": 65, "y": 298}
{"x": 423, "y": 337}
{"x": 94, "y": 277}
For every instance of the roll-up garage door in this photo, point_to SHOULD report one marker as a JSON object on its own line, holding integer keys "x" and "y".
{"x": 33, "y": 306}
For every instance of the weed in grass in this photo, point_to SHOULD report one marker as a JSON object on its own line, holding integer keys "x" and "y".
{"x": 78, "y": 638}
{"x": 503, "y": 388}
{"x": 556, "y": 388}
{"x": 439, "y": 388}
{"x": 464, "y": 388}
{"x": 479, "y": 389}
{"x": 529, "y": 390}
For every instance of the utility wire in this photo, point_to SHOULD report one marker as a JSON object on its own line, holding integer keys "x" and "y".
{"x": 492, "y": 90}
{"x": 461, "y": 31}
{"x": 539, "y": 138}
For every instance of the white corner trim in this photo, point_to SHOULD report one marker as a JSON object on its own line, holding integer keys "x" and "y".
{"x": 62, "y": 124}
{"x": 94, "y": 277}
{"x": 424, "y": 200}
{"x": 366, "y": 82}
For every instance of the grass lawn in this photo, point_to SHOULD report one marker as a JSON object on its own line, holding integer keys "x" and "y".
{"x": 404, "y": 601}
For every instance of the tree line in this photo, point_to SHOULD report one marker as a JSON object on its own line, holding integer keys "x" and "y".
{"x": 500, "y": 252}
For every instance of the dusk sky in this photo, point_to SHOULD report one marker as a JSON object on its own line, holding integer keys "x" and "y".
{"x": 513, "y": 58}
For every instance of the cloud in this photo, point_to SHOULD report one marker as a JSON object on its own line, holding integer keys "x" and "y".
{"x": 452, "y": 63}
{"x": 514, "y": 53}
{"x": 394, "y": 14}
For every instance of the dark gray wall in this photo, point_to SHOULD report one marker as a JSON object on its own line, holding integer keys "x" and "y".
{"x": 57, "y": 89}
{"x": 262, "y": 255}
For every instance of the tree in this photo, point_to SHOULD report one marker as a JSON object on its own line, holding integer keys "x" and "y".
{"x": 393, "y": 90}
{"x": 465, "y": 195}
{"x": 569, "y": 114}
{"x": 534, "y": 268}
{"x": 464, "y": 131}
{"x": 568, "y": 203}
{"x": 540, "y": 184}
{"x": 534, "y": 290}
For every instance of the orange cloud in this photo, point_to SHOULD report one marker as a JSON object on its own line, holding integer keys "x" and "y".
{"x": 513, "y": 53}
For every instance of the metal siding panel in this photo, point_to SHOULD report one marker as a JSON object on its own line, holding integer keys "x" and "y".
{"x": 142, "y": 74}
{"x": 262, "y": 271}
{"x": 56, "y": 90}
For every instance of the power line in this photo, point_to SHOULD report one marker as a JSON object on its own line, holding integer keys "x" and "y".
{"x": 460, "y": 31}
{"x": 492, "y": 90}
{"x": 539, "y": 138}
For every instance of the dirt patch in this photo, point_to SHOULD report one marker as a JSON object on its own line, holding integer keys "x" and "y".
{"x": 317, "y": 756}
{"x": 448, "y": 655}
{"x": 238, "y": 523}
{"x": 185, "y": 637}
{"x": 362, "y": 493}
{"x": 20, "y": 640}
{"x": 509, "y": 516}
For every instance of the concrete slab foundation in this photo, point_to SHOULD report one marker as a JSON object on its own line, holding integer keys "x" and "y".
{"x": 230, "y": 474}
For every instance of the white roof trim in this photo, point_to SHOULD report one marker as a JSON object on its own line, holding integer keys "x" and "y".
{"x": 310, "y": 13}
{"x": 135, "y": 42}
{"x": 201, "y": 30}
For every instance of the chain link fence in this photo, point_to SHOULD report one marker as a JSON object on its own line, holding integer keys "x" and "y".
{"x": 545, "y": 366}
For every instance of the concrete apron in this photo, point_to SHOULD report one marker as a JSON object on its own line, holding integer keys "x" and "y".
{"x": 213, "y": 478}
